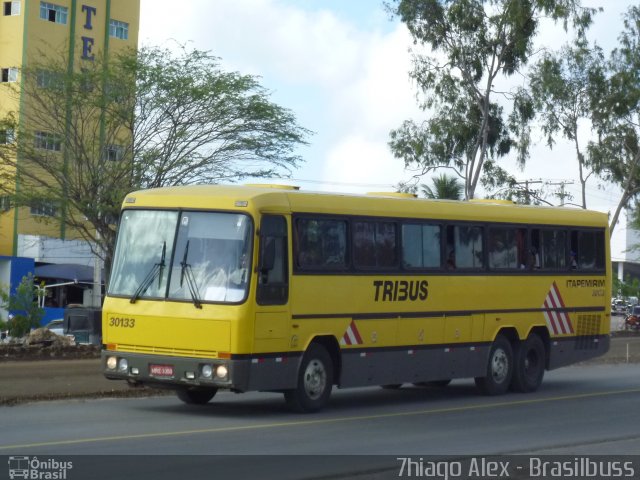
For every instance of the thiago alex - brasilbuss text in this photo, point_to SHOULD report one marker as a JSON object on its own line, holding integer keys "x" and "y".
{"x": 578, "y": 467}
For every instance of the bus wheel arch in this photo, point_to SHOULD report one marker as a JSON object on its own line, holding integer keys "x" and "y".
{"x": 315, "y": 379}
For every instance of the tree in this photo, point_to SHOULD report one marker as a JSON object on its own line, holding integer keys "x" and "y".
{"x": 562, "y": 90}
{"x": 24, "y": 311}
{"x": 444, "y": 187}
{"x": 142, "y": 119}
{"x": 478, "y": 43}
{"x": 616, "y": 153}
{"x": 629, "y": 287}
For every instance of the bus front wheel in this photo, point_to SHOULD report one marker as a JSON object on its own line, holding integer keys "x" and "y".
{"x": 529, "y": 357}
{"x": 315, "y": 381}
{"x": 196, "y": 396}
{"x": 499, "y": 368}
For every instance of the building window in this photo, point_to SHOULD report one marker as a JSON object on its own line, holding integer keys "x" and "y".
{"x": 9, "y": 75}
{"x": 113, "y": 153}
{"x": 11, "y": 8}
{"x": 7, "y": 136}
{"x": 53, "y": 13}
{"x": 48, "y": 79}
{"x": 48, "y": 141}
{"x": 43, "y": 209}
{"x": 119, "y": 29}
{"x": 5, "y": 203}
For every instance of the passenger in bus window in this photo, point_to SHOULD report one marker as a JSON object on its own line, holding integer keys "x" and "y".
{"x": 534, "y": 261}
{"x": 574, "y": 263}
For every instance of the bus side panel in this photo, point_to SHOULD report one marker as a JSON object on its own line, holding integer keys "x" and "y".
{"x": 273, "y": 372}
{"x": 567, "y": 351}
{"x": 412, "y": 364}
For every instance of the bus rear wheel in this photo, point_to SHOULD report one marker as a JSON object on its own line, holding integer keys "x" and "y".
{"x": 196, "y": 396}
{"x": 499, "y": 368}
{"x": 529, "y": 357}
{"x": 315, "y": 381}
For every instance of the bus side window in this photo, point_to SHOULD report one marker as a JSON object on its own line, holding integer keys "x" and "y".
{"x": 273, "y": 281}
{"x": 534, "y": 250}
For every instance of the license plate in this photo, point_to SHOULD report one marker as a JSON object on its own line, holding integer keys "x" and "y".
{"x": 161, "y": 370}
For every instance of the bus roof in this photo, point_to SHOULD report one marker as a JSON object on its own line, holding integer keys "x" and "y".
{"x": 288, "y": 199}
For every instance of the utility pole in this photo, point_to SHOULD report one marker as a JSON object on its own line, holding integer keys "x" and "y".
{"x": 527, "y": 192}
{"x": 96, "y": 298}
{"x": 562, "y": 194}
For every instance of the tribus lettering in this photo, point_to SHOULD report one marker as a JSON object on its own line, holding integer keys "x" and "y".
{"x": 401, "y": 290}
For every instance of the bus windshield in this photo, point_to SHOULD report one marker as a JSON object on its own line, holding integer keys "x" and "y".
{"x": 205, "y": 260}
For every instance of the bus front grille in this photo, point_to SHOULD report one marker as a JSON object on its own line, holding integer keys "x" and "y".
{"x": 179, "y": 352}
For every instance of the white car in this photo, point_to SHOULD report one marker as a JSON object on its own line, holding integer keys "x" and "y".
{"x": 56, "y": 326}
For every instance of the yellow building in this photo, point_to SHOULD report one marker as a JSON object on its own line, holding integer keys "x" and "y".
{"x": 83, "y": 31}
{"x": 78, "y": 34}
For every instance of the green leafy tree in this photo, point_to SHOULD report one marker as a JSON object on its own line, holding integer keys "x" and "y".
{"x": 142, "y": 119}
{"x": 25, "y": 312}
{"x": 474, "y": 44}
{"x": 616, "y": 153}
{"x": 563, "y": 88}
{"x": 444, "y": 187}
{"x": 629, "y": 287}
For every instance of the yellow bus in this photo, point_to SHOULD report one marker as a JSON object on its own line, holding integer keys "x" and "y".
{"x": 266, "y": 287}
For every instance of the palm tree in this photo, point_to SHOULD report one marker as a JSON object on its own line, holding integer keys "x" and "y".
{"x": 444, "y": 187}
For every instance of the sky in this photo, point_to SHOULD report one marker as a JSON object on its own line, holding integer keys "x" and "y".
{"x": 342, "y": 68}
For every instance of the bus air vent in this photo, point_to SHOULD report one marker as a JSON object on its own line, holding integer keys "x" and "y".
{"x": 587, "y": 331}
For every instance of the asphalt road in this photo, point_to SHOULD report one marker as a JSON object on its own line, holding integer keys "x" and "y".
{"x": 588, "y": 409}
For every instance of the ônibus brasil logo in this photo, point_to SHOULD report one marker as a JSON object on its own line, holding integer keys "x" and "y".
{"x": 38, "y": 469}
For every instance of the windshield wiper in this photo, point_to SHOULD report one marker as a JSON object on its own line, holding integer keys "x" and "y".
{"x": 156, "y": 270}
{"x": 187, "y": 272}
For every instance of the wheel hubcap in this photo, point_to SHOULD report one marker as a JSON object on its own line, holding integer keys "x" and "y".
{"x": 315, "y": 379}
{"x": 499, "y": 366}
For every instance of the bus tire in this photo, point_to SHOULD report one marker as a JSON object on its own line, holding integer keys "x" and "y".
{"x": 198, "y": 396}
{"x": 315, "y": 381}
{"x": 529, "y": 358}
{"x": 499, "y": 368}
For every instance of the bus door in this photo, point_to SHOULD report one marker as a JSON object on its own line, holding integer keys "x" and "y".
{"x": 272, "y": 318}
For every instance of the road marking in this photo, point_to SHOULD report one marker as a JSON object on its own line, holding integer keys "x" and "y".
{"x": 317, "y": 422}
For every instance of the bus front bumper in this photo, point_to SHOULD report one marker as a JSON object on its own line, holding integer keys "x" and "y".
{"x": 175, "y": 372}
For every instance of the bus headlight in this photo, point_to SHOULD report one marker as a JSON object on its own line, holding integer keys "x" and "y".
{"x": 123, "y": 365}
{"x": 206, "y": 371}
{"x": 221, "y": 372}
{"x": 111, "y": 363}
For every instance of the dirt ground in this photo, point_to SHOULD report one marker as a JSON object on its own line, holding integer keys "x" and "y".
{"x": 74, "y": 372}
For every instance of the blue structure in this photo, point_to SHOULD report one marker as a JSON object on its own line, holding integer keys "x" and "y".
{"x": 12, "y": 271}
